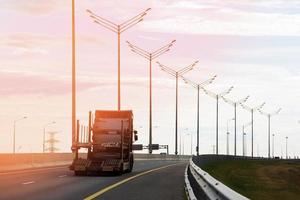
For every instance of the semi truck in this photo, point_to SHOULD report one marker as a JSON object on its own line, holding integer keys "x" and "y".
{"x": 109, "y": 139}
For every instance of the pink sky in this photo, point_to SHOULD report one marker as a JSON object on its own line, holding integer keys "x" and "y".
{"x": 252, "y": 45}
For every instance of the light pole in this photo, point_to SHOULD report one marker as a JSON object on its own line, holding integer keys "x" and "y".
{"x": 269, "y": 115}
{"x": 73, "y": 77}
{"x": 177, "y": 74}
{"x": 180, "y": 140}
{"x": 286, "y": 147}
{"x": 191, "y": 144}
{"x": 244, "y": 135}
{"x": 227, "y": 141}
{"x": 244, "y": 144}
{"x": 273, "y": 136}
{"x": 44, "y": 135}
{"x": 235, "y": 104}
{"x": 118, "y": 29}
{"x": 150, "y": 56}
{"x": 198, "y": 86}
{"x": 252, "y": 110}
{"x": 217, "y": 96}
{"x": 14, "y": 136}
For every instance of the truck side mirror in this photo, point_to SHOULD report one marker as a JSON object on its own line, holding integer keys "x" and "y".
{"x": 135, "y": 135}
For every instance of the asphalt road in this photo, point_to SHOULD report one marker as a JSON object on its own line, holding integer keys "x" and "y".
{"x": 164, "y": 181}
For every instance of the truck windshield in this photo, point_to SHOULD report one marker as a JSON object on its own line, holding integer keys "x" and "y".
{"x": 114, "y": 124}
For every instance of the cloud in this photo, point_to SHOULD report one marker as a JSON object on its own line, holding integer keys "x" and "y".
{"x": 29, "y": 43}
{"x": 34, "y": 6}
{"x": 189, "y": 5}
{"x": 20, "y": 83}
{"x": 25, "y": 40}
{"x": 14, "y": 83}
{"x": 222, "y": 19}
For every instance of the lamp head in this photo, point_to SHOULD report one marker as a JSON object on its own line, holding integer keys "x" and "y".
{"x": 278, "y": 111}
{"x": 262, "y": 105}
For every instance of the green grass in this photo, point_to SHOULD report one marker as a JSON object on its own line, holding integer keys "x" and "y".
{"x": 268, "y": 179}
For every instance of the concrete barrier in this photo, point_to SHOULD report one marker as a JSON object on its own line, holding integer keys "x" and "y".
{"x": 11, "y": 162}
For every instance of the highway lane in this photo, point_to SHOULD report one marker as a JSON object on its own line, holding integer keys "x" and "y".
{"x": 60, "y": 183}
{"x": 166, "y": 183}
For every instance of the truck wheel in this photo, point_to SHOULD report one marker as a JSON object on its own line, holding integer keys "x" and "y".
{"x": 120, "y": 172}
{"x": 130, "y": 166}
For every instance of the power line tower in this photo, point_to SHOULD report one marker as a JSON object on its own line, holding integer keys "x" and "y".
{"x": 51, "y": 142}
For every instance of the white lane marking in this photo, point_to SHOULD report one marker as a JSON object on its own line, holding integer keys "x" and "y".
{"x": 27, "y": 183}
{"x": 61, "y": 176}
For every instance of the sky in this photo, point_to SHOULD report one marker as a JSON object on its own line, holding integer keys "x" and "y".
{"x": 252, "y": 45}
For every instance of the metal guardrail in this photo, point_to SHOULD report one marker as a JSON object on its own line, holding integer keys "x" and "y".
{"x": 188, "y": 188}
{"x": 212, "y": 188}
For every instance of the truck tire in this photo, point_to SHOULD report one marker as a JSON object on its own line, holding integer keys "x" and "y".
{"x": 130, "y": 165}
{"x": 120, "y": 172}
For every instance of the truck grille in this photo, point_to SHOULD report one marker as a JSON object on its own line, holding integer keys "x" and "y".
{"x": 111, "y": 163}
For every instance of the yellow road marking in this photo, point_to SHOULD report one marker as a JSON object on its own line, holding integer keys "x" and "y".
{"x": 97, "y": 194}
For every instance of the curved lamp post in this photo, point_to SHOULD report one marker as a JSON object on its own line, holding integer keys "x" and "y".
{"x": 198, "y": 86}
{"x": 269, "y": 115}
{"x": 118, "y": 29}
{"x": 150, "y": 56}
{"x": 217, "y": 97}
{"x": 177, "y": 74}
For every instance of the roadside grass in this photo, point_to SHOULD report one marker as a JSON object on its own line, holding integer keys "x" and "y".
{"x": 266, "y": 179}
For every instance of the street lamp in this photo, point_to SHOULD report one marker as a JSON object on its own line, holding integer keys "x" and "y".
{"x": 227, "y": 141}
{"x": 252, "y": 110}
{"x": 244, "y": 144}
{"x": 269, "y": 115}
{"x": 118, "y": 29}
{"x": 14, "y": 136}
{"x": 273, "y": 136}
{"x": 191, "y": 144}
{"x": 73, "y": 77}
{"x": 180, "y": 141}
{"x": 198, "y": 86}
{"x": 150, "y": 56}
{"x": 286, "y": 147}
{"x": 235, "y": 104}
{"x": 244, "y": 135}
{"x": 217, "y": 96}
{"x": 177, "y": 74}
{"x": 44, "y": 135}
